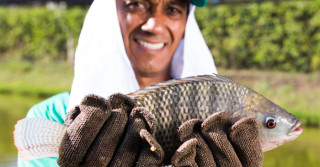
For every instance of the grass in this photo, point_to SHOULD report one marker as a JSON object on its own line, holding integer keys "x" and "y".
{"x": 35, "y": 79}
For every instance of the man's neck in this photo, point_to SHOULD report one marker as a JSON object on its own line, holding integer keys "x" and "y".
{"x": 146, "y": 80}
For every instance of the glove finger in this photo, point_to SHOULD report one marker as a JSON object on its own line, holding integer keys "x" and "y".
{"x": 71, "y": 116}
{"x": 191, "y": 130}
{"x": 129, "y": 150}
{"x": 244, "y": 136}
{"x": 186, "y": 154}
{"x": 104, "y": 145}
{"x": 152, "y": 153}
{"x": 80, "y": 134}
{"x": 188, "y": 129}
{"x": 215, "y": 129}
{"x": 122, "y": 101}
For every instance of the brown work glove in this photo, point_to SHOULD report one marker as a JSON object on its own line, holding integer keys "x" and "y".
{"x": 218, "y": 141}
{"x": 111, "y": 132}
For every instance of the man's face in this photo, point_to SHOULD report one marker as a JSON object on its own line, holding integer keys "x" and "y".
{"x": 151, "y": 31}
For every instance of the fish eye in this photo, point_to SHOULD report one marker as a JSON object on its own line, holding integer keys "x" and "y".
{"x": 270, "y": 122}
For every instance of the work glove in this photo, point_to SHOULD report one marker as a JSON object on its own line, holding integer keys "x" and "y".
{"x": 217, "y": 141}
{"x": 112, "y": 132}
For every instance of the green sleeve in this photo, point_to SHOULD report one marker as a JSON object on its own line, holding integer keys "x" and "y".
{"x": 55, "y": 109}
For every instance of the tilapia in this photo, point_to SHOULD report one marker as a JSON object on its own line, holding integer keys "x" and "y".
{"x": 176, "y": 101}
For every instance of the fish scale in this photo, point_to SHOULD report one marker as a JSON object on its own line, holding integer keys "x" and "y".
{"x": 176, "y": 101}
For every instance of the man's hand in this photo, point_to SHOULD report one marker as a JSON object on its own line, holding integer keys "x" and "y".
{"x": 218, "y": 142}
{"x": 109, "y": 132}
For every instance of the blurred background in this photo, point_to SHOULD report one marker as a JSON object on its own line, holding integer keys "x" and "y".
{"x": 270, "y": 46}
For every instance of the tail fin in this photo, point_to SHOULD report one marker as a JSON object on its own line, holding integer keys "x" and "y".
{"x": 38, "y": 138}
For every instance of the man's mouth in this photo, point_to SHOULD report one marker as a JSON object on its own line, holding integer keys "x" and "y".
{"x": 153, "y": 46}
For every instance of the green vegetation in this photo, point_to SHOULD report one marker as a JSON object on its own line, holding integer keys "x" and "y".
{"x": 41, "y": 79}
{"x": 39, "y": 33}
{"x": 279, "y": 36}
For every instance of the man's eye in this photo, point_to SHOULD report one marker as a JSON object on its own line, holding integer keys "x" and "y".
{"x": 135, "y": 4}
{"x": 174, "y": 13}
{"x": 174, "y": 10}
{"x": 136, "y": 7}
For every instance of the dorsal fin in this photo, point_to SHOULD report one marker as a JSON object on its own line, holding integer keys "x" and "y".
{"x": 199, "y": 78}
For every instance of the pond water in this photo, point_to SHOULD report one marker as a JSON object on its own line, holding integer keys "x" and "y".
{"x": 304, "y": 151}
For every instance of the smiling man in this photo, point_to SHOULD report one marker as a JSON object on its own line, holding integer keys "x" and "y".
{"x": 152, "y": 31}
{"x": 126, "y": 45}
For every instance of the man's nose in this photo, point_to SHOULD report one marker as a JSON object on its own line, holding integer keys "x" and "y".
{"x": 154, "y": 25}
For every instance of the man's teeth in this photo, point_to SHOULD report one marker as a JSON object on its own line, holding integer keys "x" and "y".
{"x": 151, "y": 45}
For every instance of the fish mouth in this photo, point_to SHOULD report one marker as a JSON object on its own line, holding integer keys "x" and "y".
{"x": 295, "y": 130}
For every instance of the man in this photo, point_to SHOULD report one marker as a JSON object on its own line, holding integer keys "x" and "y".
{"x": 155, "y": 40}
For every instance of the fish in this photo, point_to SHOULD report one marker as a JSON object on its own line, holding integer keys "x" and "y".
{"x": 172, "y": 103}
